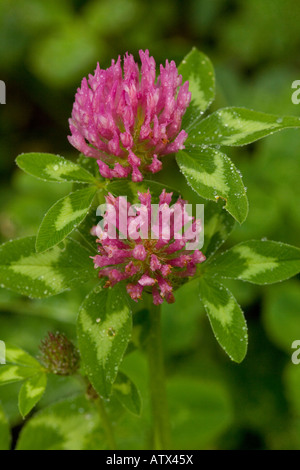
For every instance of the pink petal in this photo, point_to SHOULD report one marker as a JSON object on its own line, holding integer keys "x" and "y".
{"x": 147, "y": 281}
{"x": 139, "y": 252}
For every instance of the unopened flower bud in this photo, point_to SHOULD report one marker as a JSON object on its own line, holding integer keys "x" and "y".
{"x": 59, "y": 355}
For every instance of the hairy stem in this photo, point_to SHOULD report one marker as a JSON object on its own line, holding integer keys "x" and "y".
{"x": 106, "y": 423}
{"x": 157, "y": 381}
{"x": 99, "y": 403}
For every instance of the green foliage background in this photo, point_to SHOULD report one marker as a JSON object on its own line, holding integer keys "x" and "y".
{"x": 45, "y": 50}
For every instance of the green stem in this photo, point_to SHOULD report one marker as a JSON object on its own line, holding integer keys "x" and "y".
{"x": 157, "y": 381}
{"x": 106, "y": 423}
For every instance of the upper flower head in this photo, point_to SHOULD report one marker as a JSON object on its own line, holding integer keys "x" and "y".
{"x": 152, "y": 259}
{"x": 127, "y": 120}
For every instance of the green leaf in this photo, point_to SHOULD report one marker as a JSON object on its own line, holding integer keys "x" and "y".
{"x": 19, "y": 366}
{"x": 198, "y": 70}
{"x": 17, "y": 356}
{"x": 90, "y": 165}
{"x": 48, "y": 167}
{"x": 127, "y": 394}
{"x": 238, "y": 126}
{"x": 39, "y": 275}
{"x": 5, "y": 437}
{"x": 31, "y": 392}
{"x": 104, "y": 330}
{"x": 213, "y": 175}
{"x": 226, "y": 318}
{"x": 217, "y": 228}
{"x": 68, "y": 425}
{"x": 13, "y": 373}
{"x": 64, "y": 217}
{"x": 83, "y": 232}
{"x": 257, "y": 261}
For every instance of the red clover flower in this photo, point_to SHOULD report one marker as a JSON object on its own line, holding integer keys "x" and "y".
{"x": 154, "y": 259}
{"x": 128, "y": 120}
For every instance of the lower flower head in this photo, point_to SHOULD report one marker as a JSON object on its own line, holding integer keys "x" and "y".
{"x": 146, "y": 245}
{"x": 128, "y": 121}
{"x": 59, "y": 355}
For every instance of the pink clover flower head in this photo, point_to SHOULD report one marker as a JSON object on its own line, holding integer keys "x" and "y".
{"x": 128, "y": 119}
{"x": 149, "y": 250}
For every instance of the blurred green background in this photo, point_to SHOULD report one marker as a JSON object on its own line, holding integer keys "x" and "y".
{"x": 45, "y": 50}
